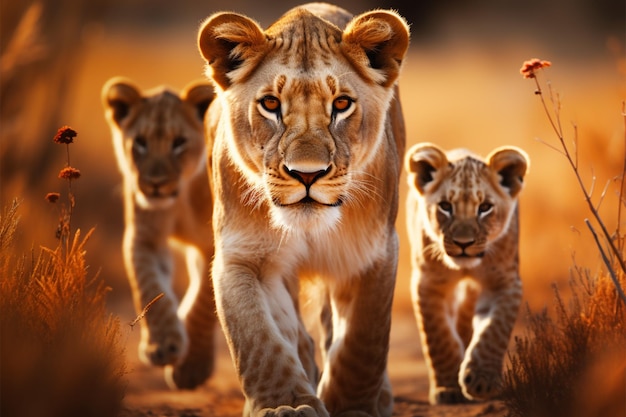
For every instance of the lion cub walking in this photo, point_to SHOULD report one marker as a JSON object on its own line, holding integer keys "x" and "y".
{"x": 462, "y": 221}
{"x": 158, "y": 138}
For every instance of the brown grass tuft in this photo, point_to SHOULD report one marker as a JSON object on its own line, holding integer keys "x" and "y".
{"x": 61, "y": 350}
{"x": 573, "y": 365}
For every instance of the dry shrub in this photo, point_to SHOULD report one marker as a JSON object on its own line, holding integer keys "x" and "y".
{"x": 573, "y": 363}
{"x": 61, "y": 350}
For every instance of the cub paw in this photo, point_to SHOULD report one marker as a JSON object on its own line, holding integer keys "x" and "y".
{"x": 447, "y": 395}
{"x": 164, "y": 348}
{"x": 188, "y": 374}
{"x": 479, "y": 385}
{"x": 287, "y": 411}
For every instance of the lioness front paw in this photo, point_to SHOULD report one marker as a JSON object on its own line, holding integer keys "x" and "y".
{"x": 163, "y": 348}
{"x": 479, "y": 384}
{"x": 288, "y": 411}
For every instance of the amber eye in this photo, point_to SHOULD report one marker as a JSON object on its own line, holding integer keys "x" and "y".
{"x": 445, "y": 207}
{"x": 485, "y": 207}
{"x": 179, "y": 142}
{"x": 341, "y": 104}
{"x": 270, "y": 103}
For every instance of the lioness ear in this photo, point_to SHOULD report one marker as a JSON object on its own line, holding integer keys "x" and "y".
{"x": 199, "y": 95}
{"x": 227, "y": 41}
{"x": 384, "y": 37}
{"x": 119, "y": 95}
{"x": 511, "y": 164}
{"x": 422, "y": 161}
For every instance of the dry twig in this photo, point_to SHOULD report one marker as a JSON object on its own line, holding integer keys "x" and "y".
{"x": 145, "y": 310}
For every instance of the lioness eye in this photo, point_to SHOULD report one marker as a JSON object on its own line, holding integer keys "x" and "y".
{"x": 270, "y": 103}
{"x": 484, "y": 207}
{"x": 341, "y": 104}
{"x": 446, "y": 207}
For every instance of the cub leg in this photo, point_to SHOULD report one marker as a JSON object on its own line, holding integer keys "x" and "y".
{"x": 480, "y": 375}
{"x": 149, "y": 268}
{"x": 355, "y": 381}
{"x": 261, "y": 325}
{"x": 441, "y": 345}
{"x": 467, "y": 294}
{"x": 197, "y": 310}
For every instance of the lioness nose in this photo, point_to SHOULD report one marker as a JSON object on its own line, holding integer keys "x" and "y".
{"x": 307, "y": 178}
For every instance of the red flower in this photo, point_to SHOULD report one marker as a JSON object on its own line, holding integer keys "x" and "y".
{"x": 65, "y": 135}
{"x": 529, "y": 67}
{"x": 69, "y": 173}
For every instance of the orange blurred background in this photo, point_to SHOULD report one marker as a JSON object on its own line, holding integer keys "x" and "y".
{"x": 460, "y": 87}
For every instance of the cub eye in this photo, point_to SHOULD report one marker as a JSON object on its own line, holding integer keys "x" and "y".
{"x": 270, "y": 104}
{"x": 341, "y": 104}
{"x": 485, "y": 208}
{"x": 445, "y": 207}
{"x": 179, "y": 142}
{"x": 140, "y": 144}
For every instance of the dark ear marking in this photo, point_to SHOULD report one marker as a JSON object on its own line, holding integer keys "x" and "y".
{"x": 119, "y": 95}
{"x": 383, "y": 37}
{"x": 511, "y": 165}
{"x": 200, "y": 95}
{"x": 423, "y": 161}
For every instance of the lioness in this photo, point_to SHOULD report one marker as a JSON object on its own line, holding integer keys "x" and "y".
{"x": 308, "y": 137}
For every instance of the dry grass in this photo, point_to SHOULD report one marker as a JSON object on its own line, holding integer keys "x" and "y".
{"x": 61, "y": 350}
{"x": 572, "y": 363}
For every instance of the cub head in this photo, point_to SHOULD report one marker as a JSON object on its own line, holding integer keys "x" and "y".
{"x": 306, "y": 102}
{"x": 465, "y": 203}
{"x": 158, "y": 137}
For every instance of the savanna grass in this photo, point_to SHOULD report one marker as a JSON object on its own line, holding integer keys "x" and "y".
{"x": 61, "y": 353}
{"x": 573, "y": 363}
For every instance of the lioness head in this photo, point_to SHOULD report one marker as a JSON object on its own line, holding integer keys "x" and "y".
{"x": 307, "y": 102}
{"x": 465, "y": 202}
{"x": 158, "y": 137}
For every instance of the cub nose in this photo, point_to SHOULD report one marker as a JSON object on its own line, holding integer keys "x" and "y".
{"x": 463, "y": 243}
{"x": 307, "y": 177}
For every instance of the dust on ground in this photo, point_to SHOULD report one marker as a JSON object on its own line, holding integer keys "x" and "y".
{"x": 148, "y": 395}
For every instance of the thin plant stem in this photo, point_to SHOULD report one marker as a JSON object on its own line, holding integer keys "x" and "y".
{"x": 607, "y": 262}
{"x": 573, "y": 161}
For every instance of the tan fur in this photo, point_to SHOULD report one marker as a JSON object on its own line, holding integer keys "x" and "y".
{"x": 158, "y": 138}
{"x": 463, "y": 223}
{"x": 306, "y": 191}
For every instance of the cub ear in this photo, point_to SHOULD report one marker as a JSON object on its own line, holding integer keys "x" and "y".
{"x": 200, "y": 95}
{"x": 384, "y": 38}
{"x": 511, "y": 164}
{"x": 228, "y": 41}
{"x": 422, "y": 162}
{"x": 119, "y": 95}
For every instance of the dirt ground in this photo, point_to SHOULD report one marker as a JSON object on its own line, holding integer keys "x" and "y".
{"x": 147, "y": 394}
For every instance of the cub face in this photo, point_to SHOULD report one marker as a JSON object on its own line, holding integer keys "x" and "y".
{"x": 305, "y": 126}
{"x": 465, "y": 203}
{"x": 158, "y": 137}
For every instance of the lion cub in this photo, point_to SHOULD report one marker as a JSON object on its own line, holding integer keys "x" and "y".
{"x": 462, "y": 220}
{"x": 158, "y": 138}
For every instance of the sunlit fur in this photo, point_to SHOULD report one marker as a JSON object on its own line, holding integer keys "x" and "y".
{"x": 304, "y": 190}
{"x": 462, "y": 220}
{"x": 158, "y": 138}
